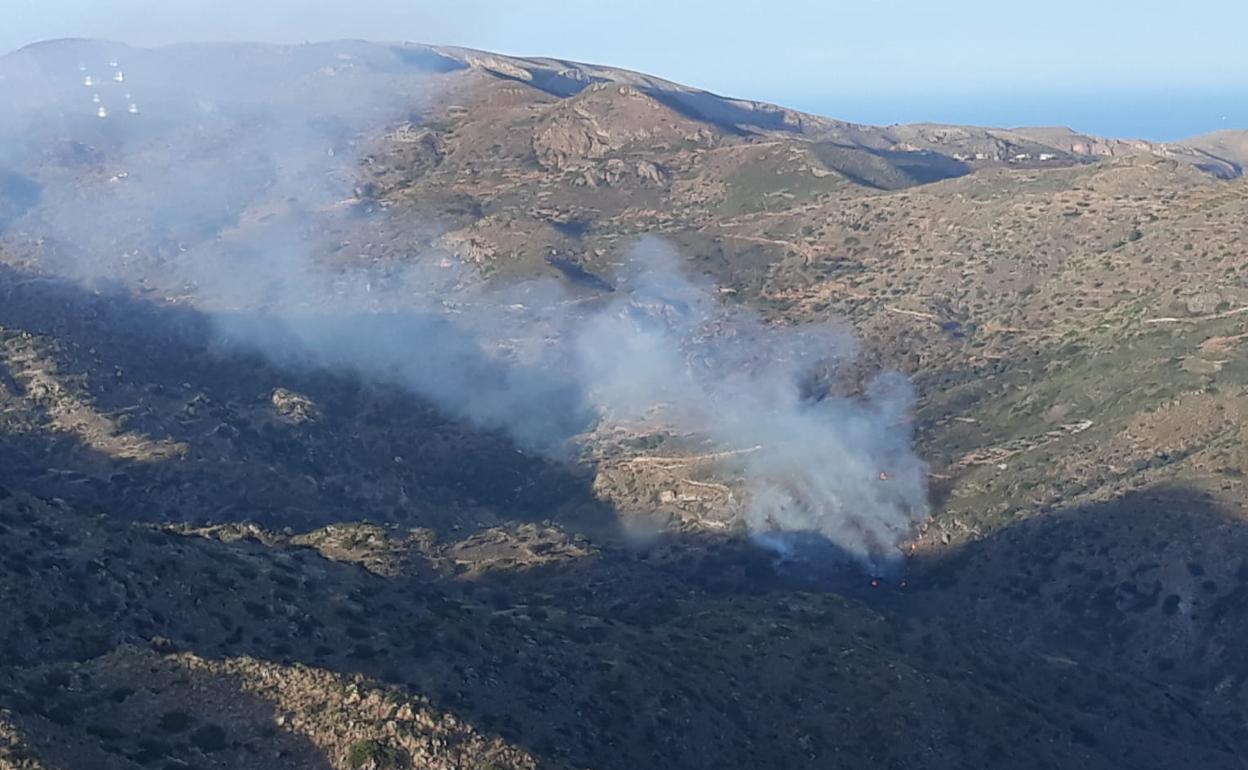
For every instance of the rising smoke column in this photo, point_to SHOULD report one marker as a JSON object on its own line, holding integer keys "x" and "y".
{"x": 234, "y": 181}
{"x": 813, "y": 464}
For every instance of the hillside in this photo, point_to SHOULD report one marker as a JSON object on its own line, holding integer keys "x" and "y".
{"x": 294, "y": 473}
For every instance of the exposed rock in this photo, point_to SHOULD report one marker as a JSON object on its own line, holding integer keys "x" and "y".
{"x": 294, "y": 407}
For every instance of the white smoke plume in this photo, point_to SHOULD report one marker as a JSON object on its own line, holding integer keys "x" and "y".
{"x": 225, "y": 188}
{"x": 837, "y": 468}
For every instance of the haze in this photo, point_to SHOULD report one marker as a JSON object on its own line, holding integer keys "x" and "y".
{"x": 1144, "y": 71}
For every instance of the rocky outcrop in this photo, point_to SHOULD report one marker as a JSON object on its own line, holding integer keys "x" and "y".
{"x": 241, "y": 712}
{"x": 609, "y": 120}
{"x": 294, "y": 407}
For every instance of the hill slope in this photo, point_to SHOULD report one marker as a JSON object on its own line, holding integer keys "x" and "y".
{"x": 215, "y": 555}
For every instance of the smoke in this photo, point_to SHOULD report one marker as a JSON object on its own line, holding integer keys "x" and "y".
{"x": 837, "y": 467}
{"x": 240, "y": 194}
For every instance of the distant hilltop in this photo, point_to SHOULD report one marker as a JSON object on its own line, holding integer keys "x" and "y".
{"x": 947, "y": 148}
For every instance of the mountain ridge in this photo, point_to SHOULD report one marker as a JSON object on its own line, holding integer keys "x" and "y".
{"x": 563, "y": 78}
{"x": 218, "y": 553}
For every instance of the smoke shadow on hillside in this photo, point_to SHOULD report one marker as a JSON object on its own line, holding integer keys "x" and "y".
{"x": 1159, "y": 574}
{"x": 297, "y": 445}
{"x": 684, "y": 651}
{"x": 1149, "y": 587}
{"x": 134, "y": 707}
{"x": 605, "y": 660}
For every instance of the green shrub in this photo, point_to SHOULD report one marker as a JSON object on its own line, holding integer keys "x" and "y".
{"x": 375, "y": 755}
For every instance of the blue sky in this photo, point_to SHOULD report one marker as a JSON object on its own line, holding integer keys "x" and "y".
{"x": 1155, "y": 68}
